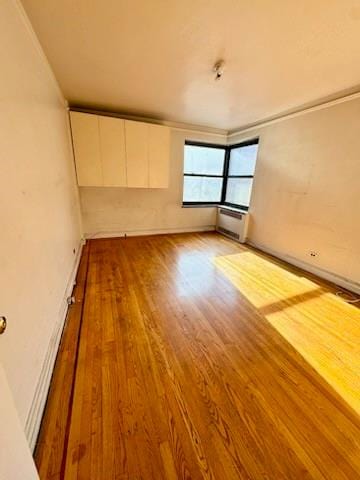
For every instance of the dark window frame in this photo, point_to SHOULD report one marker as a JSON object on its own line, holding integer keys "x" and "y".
{"x": 225, "y": 176}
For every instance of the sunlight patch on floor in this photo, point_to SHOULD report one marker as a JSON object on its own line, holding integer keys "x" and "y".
{"x": 320, "y": 326}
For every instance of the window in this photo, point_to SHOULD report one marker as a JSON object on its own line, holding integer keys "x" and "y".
{"x": 240, "y": 174}
{"x": 214, "y": 174}
{"x": 203, "y": 173}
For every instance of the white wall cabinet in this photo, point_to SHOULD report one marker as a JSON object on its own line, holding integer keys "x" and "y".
{"x": 137, "y": 163}
{"x": 113, "y": 152}
{"x": 159, "y": 152}
{"x": 86, "y": 141}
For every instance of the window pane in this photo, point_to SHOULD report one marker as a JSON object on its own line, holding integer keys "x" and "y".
{"x": 204, "y": 160}
{"x": 243, "y": 160}
{"x": 202, "y": 189}
{"x": 239, "y": 191}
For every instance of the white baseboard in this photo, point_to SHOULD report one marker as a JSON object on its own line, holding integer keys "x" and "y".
{"x": 320, "y": 272}
{"x": 155, "y": 231}
{"x": 33, "y": 421}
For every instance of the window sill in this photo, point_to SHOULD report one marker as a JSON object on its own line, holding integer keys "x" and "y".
{"x": 201, "y": 205}
{"x": 217, "y": 205}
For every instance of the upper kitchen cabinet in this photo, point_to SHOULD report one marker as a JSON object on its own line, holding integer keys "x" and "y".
{"x": 86, "y": 141}
{"x": 159, "y": 153}
{"x": 112, "y": 152}
{"x": 137, "y": 162}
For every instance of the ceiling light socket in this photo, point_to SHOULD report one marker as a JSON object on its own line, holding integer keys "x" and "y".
{"x": 218, "y": 68}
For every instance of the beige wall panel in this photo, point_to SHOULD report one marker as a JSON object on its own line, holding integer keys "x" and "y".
{"x": 112, "y": 148}
{"x": 137, "y": 162}
{"x": 85, "y": 133}
{"x": 39, "y": 210}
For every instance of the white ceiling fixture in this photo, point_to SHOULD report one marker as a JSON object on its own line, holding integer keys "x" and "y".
{"x": 151, "y": 58}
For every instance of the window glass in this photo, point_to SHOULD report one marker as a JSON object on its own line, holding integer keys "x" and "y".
{"x": 204, "y": 160}
{"x": 243, "y": 160}
{"x": 209, "y": 179}
{"x": 238, "y": 191}
{"x": 202, "y": 189}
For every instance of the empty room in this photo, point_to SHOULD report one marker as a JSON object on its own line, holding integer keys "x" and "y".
{"x": 180, "y": 240}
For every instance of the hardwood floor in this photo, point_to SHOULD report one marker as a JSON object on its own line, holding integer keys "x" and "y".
{"x": 51, "y": 445}
{"x": 321, "y": 326}
{"x": 187, "y": 367}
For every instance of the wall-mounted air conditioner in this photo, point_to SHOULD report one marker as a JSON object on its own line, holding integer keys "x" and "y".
{"x": 232, "y": 223}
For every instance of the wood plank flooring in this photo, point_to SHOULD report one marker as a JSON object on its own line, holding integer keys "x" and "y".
{"x": 183, "y": 372}
{"x": 321, "y": 326}
{"x": 52, "y": 440}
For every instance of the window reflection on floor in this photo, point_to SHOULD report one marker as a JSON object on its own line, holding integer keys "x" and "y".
{"x": 320, "y": 326}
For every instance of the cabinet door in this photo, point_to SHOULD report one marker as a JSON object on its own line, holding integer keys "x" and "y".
{"x": 159, "y": 155}
{"x": 85, "y": 133}
{"x": 137, "y": 165}
{"x": 112, "y": 147}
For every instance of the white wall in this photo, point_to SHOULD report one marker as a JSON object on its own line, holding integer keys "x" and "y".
{"x": 39, "y": 214}
{"x": 306, "y": 194}
{"x": 114, "y": 211}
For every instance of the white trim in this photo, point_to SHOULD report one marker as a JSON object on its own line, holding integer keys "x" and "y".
{"x": 320, "y": 272}
{"x": 155, "y": 231}
{"x": 288, "y": 116}
{"x": 203, "y": 130}
{"x": 34, "y": 417}
{"x": 198, "y": 130}
{"x": 36, "y": 43}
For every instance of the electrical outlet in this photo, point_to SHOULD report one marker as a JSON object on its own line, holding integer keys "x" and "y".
{"x": 70, "y": 300}
{"x": 312, "y": 253}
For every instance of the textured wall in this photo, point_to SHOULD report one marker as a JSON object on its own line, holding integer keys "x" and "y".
{"x": 39, "y": 214}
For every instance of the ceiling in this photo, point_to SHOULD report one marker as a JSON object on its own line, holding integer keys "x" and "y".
{"x": 154, "y": 58}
